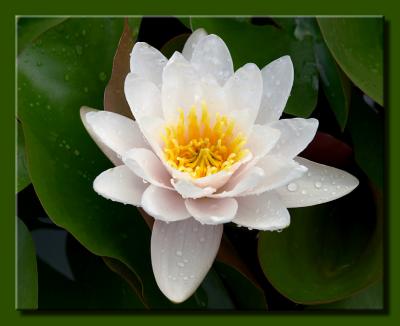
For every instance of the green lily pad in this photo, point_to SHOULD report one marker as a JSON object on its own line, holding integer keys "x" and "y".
{"x": 357, "y": 46}
{"x": 366, "y": 127}
{"x": 263, "y": 44}
{"x": 371, "y": 298}
{"x": 23, "y": 179}
{"x": 329, "y": 252}
{"x": 29, "y": 28}
{"x": 334, "y": 83}
{"x": 245, "y": 294}
{"x": 27, "y": 276}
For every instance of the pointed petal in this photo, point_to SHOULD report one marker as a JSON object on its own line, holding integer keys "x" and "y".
{"x": 264, "y": 212}
{"x": 112, "y": 155}
{"x": 296, "y": 134}
{"x": 242, "y": 183}
{"x": 211, "y": 56}
{"x": 144, "y": 97}
{"x": 321, "y": 184}
{"x": 277, "y": 172}
{"x": 277, "y": 82}
{"x": 192, "y": 42}
{"x": 120, "y": 184}
{"x": 182, "y": 254}
{"x": 262, "y": 140}
{"x": 163, "y": 204}
{"x": 181, "y": 87}
{"x": 187, "y": 189}
{"x": 146, "y": 165}
{"x": 147, "y": 62}
{"x": 212, "y": 210}
{"x": 113, "y": 131}
{"x": 243, "y": 91}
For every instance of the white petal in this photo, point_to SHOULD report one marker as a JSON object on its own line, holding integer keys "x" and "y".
{"x": 146, "y": 165}
{"x": 187, "y": 189}
{"x": 262, "y": 140}
{"x": 112, "y": 155}
{"x": 211, "y": 56}
{"x": 144, "y": 97}
{"x": 263, "y": 212}
{"x": 192, "y": 42}
{"x": 277, "y": 172}
{"x": 147, "y": 62}
{"x": 120, "y": 184}
{"x": 241, "y": 183}
{"x": 116, "y": 132}
{"x": 181, "y": 87}
{"x": 296, "y": 134}
{"x": 163, "y": 204}
{"x": 277, "y": 82}
{"x": 243, "y": 91}
{"x": 182, "y": 254}
{"x": 212, "y": 210}
{"x": 321, "y": 184}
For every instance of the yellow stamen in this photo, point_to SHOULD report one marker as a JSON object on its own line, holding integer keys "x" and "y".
{"x": 196, "y": 147}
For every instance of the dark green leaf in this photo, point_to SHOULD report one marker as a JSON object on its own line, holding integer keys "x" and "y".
{"x": 357, "y": 46}
{"x": 23, "y": 179}
{"x": 29, "y": 28}
{"x": 366, "y": 126}
{"x": 335, "y": 84}
{"x": 263, "y": 44}
{"x": 27, "y": 276}
{"x": 246, "y": 295}
{"x": 329, "y": 252}
{"x": 369, "y": 299}
{"x": 92, "y": 285}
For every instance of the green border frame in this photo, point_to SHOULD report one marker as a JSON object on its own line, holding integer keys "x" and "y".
{"x": 389, "y": 9}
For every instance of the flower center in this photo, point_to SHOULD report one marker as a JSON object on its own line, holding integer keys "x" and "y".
{"x": 195, "y": 146}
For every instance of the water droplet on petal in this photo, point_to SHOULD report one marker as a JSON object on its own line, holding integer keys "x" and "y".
{"x": 179, "y": 253}
{"x": 180, "y": 264}
{"x": 304, "y": 192}
{"x": 185, "y": 278}
{"x": 292, "y": 186}
{"x": 318, "y": 185}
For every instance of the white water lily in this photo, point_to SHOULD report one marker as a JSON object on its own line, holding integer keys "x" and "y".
{"x": 207, "y": 148}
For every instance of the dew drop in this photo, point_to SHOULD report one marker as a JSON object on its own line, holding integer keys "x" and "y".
{"x": 144, "y": 181}
{"x": 318, "y": 185}
{"x": 304, "y": 192}
{"x": 185, "y": 278}
{"x": 191, "y": 276}
{"x": 76, "y": 152}
{"x": 86, "y": 89}
{"x": 180, "y": 264}
{"x": 185, "y": 261}
{"x": 102, "y": 76}
{"x": 292, "y": 186}
{"x": 179, "y": 253}
{"x": 66, "y": 77}
{"x": 278, "y": 82}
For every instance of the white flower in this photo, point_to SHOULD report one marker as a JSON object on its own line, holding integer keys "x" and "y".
{"x": 207, "y": 148}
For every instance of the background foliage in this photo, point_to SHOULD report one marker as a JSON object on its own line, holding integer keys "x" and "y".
{"x": 330, "y": 257}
